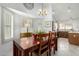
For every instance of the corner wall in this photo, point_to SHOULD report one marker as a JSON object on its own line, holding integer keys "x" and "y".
{"x": 0, "y": 25}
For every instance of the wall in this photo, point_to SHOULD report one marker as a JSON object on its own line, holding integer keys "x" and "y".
{"x": 18, "y": 19}
{"x": 62, "y": 14}
{"x": 0, "y": 25}
{"x": 60, "y": 10}
{"x": 33, "y": 12}
{"x": 17, "y": 27}
{"x": 40, "y": 24}
{"x": 74, "y": 23}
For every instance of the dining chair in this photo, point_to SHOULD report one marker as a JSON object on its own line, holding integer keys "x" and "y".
{"x": 43, "y": 46}
{"x": 51, "y": 42}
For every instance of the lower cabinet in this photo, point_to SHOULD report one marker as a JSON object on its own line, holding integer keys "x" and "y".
{"x": 63, "y": 34}
{"x": 73, "y": 38}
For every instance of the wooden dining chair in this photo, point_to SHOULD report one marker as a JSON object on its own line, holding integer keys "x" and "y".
{"x": 43, "y": 46}
{"x": 51, "y": 42}
{"x": 43, "y": 49}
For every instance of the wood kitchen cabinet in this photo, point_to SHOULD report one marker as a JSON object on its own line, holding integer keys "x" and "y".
{"x": 63, "y": 34}
{"x": 74, "y": 38}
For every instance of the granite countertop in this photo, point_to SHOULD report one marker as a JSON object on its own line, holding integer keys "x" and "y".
{"x": 73, "y": 32}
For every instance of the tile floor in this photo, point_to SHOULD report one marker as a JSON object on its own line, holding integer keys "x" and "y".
{"x": 64, "y": 48}
{"x": 6, "y": 49}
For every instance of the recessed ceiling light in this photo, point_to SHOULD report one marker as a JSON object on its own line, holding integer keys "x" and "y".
{"x": 53, "y": 12}
{"x": 69, "y": 9}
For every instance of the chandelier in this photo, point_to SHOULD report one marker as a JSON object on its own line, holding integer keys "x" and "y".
{"x": 42, "y": 11}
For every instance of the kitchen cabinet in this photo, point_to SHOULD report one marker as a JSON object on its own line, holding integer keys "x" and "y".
{"x": 63, "y": 34}
{"x": 73, "y": 38}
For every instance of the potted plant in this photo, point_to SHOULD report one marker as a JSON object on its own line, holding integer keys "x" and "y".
{"x": 38, "y": 36}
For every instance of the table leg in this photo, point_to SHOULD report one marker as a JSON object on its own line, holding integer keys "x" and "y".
{"x": 15, "y": 53}
{"x": 24, "y": 53}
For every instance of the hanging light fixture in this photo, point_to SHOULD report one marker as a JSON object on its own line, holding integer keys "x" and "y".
{"x": 42, "y": 11}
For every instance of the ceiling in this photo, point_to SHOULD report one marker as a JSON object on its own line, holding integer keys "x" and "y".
{"x": 56, "y": 11}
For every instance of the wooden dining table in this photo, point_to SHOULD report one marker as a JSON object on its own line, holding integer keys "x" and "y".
{"x": 24, "y": 46}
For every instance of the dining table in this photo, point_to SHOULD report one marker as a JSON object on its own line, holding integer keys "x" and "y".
{"x": 24, "y": 46}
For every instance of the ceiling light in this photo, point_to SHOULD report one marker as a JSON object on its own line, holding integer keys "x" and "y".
{"x": 42, "y": 11}
{"x": 69, "y": 9}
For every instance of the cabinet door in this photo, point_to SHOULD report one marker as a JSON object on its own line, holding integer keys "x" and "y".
{"x": 74, "y": 38}
{"x": 71, "y": 38}
{"x": 77, "y": 39}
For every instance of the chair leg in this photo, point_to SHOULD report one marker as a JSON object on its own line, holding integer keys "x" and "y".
{"x": 47, "y": 53}
{"x": 50, "y": 53}
{"x": 54, "y": 51}
{"x": 31, "y": 53}
{"x": 39, "y": 55}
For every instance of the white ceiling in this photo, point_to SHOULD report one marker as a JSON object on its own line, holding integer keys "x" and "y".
{"x": 60, "y": 10}
{"x": 34, "y": 12}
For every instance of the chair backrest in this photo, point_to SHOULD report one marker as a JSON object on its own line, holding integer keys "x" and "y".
{"x": 51, "y": 40}
{"x": 44, "y": 45}
{"x": 41, "y": 36}
{"x": 26, "y": 34}
{"x": 52, "y": 35}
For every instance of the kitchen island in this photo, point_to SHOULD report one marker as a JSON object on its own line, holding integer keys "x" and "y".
{"x": 73, "y": 38}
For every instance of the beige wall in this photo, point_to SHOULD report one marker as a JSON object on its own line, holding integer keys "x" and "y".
{"x": 0, "y": 25}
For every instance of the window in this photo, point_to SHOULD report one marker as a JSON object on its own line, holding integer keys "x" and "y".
{"x": 7, "y": 24}
{"x": 65, "y": 26}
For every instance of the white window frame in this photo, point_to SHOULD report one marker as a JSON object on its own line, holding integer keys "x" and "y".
{"x": 2, "y": 25}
